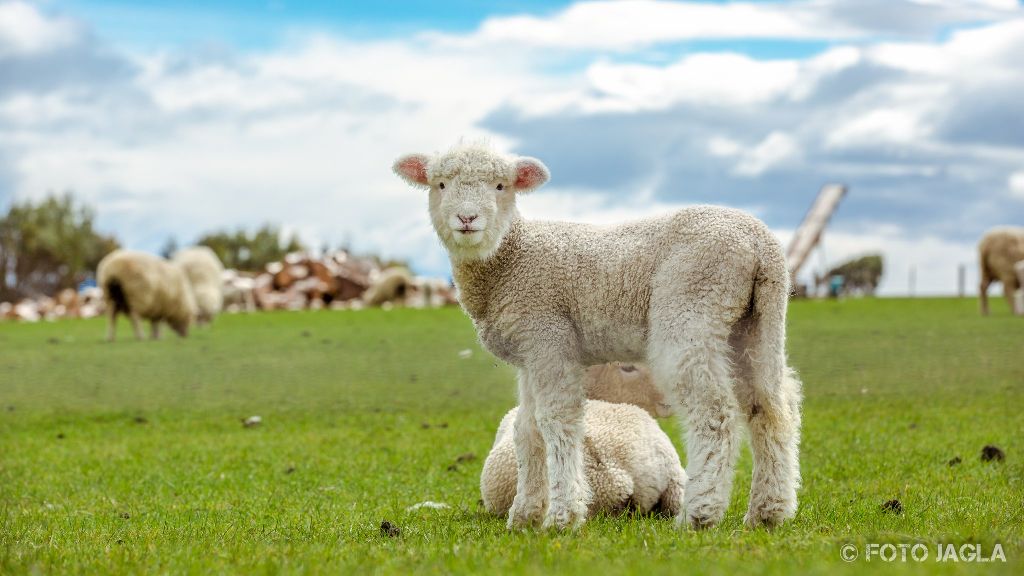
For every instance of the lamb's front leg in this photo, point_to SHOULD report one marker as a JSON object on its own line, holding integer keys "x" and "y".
{"x": 531, "y": 497}
{"x": 559, "y": 396}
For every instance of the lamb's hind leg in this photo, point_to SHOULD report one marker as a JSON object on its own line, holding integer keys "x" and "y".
{"x": 689, "y": 360}
{"x": 769, "y": 394}
{"x": 531, "y": 499}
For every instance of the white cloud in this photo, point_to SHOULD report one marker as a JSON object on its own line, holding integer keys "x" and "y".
{"x": 707, "y": 79}
{"x": 777, "y": 149}
{"x": 626, "y": 25}
{"x": 983, "y": 52}
{"x": 1016, "y": 185}
{"x": 893, "y": 125}
{"x": 24, "y": 30}
{"x": 723, "y": 147}
{"x": 593, "y": 207}
{"x": 723, "y": 80}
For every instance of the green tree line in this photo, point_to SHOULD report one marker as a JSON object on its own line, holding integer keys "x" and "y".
{"x": 47, "y": 246}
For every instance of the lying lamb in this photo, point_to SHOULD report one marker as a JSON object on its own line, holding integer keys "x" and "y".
{"x": 205, "y": 273}
{"x": 141, "y": 285}
{"x": 699, "y": 295}
{"x": 628, "y": 460}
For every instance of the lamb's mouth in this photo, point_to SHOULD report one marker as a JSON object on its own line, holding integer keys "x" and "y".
{"x": 467, "y": 230}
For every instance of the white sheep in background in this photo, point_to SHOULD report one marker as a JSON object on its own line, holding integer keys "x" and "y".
{"x": 205, "y": 273}
{"x": 144, "y": 286}
{"x": 389, "y": 285}
{"x": 998, "y": 251}
{"x": 628, "y": 460}
{"x": 700, "y": 295}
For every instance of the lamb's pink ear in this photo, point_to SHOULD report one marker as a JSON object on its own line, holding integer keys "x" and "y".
{"x": 412, "y": 168}
{"x": 530, "y": 174}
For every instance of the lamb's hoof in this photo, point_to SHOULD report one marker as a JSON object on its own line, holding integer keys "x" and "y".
{"x": 565, "y": 517}
{"x": 524, "y": 516}
{"x": 696, "y": 522}
{"x": 700, "y": 518}
{"x": 768, "y": 514}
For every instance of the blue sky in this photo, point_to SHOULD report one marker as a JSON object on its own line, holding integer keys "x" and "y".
{"x": 178, "y": 118}
{"x": 262, "y": 25}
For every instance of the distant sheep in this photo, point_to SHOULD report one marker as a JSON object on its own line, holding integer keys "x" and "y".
{"x": 205, "y": 273}
{"x": 699, "y": 295}
{"x": 628, "y": 460}
{"x": 390, "y": 286}
{"x": 999, "y": 250}
{"x": 143, "y": 286}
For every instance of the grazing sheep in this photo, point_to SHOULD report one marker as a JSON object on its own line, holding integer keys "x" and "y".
{"x": 699, "y": 295}
{"x": 999, "y": 250}
{"x": 206, "y": 275}
{"x": 628, "y": 460}
{"x": 390, "y": 285}
{"x": 141, "y": 285}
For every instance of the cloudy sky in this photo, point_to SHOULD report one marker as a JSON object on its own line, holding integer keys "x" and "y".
{"x": 178, "y": 118}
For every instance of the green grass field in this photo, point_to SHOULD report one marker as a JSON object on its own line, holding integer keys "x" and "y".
{"x": 131, "y": 457}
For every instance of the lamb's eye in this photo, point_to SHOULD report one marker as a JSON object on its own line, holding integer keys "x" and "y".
{"x": 441, "y": 185}
{"x": 501, "y": 186}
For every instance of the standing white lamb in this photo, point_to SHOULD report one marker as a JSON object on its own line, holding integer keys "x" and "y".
{"x": 142, "y": 285}
{"x": 206, "y": 275}
{"x": 699, "y": 295}
{"x": 628, "y": 460}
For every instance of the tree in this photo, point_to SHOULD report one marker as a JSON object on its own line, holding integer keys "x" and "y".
{"x": 250, "y": 251}
{"x": 48, "y": 246}
{"x": 859, "y": 276}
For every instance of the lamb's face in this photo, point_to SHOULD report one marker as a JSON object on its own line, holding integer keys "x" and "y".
{"x": 472, "y": 195}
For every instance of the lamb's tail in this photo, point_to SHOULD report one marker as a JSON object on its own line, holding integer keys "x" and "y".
{"x": 116, "y": 296}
